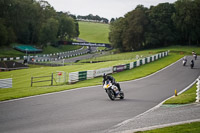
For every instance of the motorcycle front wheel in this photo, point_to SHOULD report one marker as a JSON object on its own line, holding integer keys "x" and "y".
{"x": 111, "y": 94}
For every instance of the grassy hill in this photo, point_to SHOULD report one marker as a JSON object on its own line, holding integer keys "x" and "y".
{"x": 94, "y": 32}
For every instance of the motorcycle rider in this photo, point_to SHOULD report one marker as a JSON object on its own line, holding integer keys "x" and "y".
{"x": 110, "y": 78}
{"x": 195, "y": 56}
{"x": 192, "y": 64}
{"x": 184, "y": 61}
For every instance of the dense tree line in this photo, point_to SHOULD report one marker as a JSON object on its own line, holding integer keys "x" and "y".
{"x": 157, "y": 26}
{"x": 34, "y": 22}
{"x": 94, "y": 18}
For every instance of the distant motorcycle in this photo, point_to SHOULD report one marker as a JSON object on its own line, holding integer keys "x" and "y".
{"x": 184, "y": 62}
{"x": 192, "y": 64}
{"x": 195, "y": 56}
{"x": 113, "y": 91}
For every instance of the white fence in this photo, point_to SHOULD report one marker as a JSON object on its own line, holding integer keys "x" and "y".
{"x": 78, "y": 76}
{"x": 198, "y": 90}
{"x": 100, "y": 72}
{"x": 6, "y": 83}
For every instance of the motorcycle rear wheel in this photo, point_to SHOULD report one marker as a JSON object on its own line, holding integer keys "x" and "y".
{"x": 121, "y": 95}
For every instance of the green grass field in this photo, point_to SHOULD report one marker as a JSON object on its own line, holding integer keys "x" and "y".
{"x": 94, "y": 32}
{"x": 22, "y": 78}
{"x": 183, "y": 128}
{"x": 188, "y": 96}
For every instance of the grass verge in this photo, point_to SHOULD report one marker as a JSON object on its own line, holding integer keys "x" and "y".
{"x": 21, "y": 78}
{"x": 186, "y": 97}
{"x": 183, "y": 128}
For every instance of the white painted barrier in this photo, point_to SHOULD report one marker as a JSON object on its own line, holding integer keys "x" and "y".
{"x": 152, "y": 58}
{"x": 73, "y": 77}
{"x": 100, "y": 72}
{"x": 148, "y": 59}
{"x": 138, "y": 63}
{"x": 90, "y": 74}
{"x": 156, "y": 56}
{"x": 143, "y": 61}
{"x": 77, "y": 76}
{"x": 198, "y": 90}
{"x": 131, "y": 65}
{"x": 6, "y": 83}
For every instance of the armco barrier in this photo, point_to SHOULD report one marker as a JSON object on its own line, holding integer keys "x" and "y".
{"x": 45, "y": 55}
{"x": 11, "y": 58}
{"x": 83, "y": 75}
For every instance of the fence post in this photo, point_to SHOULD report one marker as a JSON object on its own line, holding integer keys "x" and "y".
{"x": 198, "y": 90}
{"x": 52, "y": 79}
{"x": 31, "y": 81}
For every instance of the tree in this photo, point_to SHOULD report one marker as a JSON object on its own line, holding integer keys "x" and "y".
{"x": 77, "y": 33}
{"x": 94, "y": 18}
{"x": 34, "y": 22}
{"x": 112, "y": 20}
{"x": 3, "y": 34}
{"x": 115, "y": 34}
{"x": 6, "y": 34}
{"x": 49, "y": 31}
{"x": 133, "y": 35}
{"x": 127, "y": 33}
{"x": 186, "y": 20}
{"x": 160, "y": 31}
{"x": 47, "y": 10}
{"x": 196, "y": 13}
{"x": 66, "y": 28}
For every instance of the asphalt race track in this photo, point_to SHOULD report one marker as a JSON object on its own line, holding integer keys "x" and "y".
{"x": 89, "y": 110}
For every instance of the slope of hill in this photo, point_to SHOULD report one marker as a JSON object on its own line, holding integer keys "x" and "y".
{"x": 94, "y": 32}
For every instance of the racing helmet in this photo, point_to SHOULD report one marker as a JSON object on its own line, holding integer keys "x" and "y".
{"x": 104, "y": 75}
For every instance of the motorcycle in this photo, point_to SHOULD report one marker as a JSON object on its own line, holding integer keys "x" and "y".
{"x": 113, "y": 91}
{"x": 184, "y": 62}
{"x": 195, "y": 56}
{"x": 192, "y": 64}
